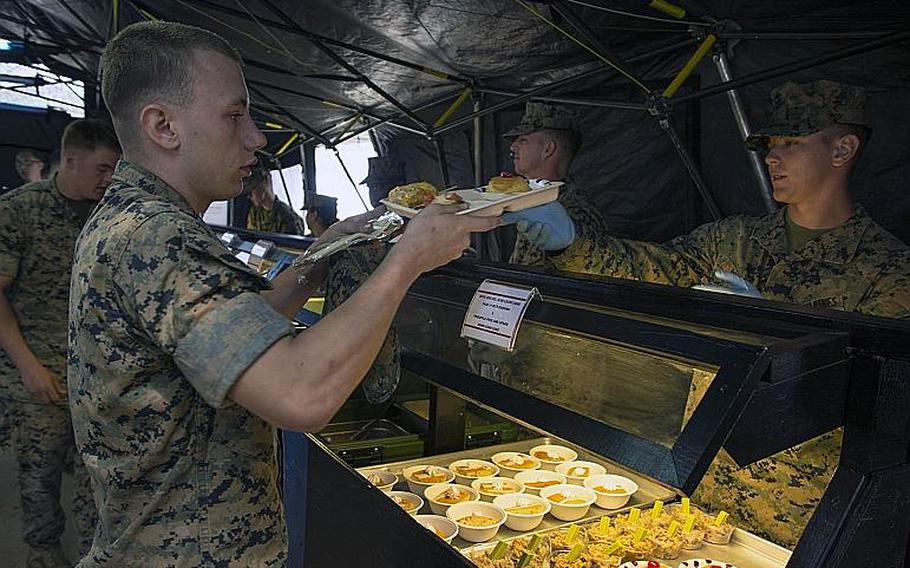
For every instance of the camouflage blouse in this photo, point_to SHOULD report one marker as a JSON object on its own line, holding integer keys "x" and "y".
{"x": 38, "y": 231}
{"x": 856, "y": 267}
{"x": 588, "y": 225}
{"x": 163, "y": 321}
{"x": 281, "y": 219}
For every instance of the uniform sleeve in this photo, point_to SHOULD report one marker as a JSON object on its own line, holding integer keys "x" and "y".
{"x": 684, "y": 261}
{"x": 13, "y": 239}
{"x": 196, "y": 305}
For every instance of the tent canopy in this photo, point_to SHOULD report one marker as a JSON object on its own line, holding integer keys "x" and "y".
{"x": 321, "y": 71}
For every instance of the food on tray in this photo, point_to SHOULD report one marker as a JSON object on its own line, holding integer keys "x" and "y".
{"x": 413, "y": 195}
{"x": 508, "y": 182}
{"x": 517, "y": 461}
{"x": 375, "y": 479}
{"x": 526, "y": 509}
{"x": 478, "y": 470}
{"x": 477, "y": 521}
{"x": 579, "y": 471}
{"x": 542, "y": 484}
{"x": 517, "y": 548}
{"x": 406, "y": 504}
{"x": 497, "y": 487}
{"x": 566, "y": 499}
{"x": 548, "y": 456}
{"x": 430, "y": 474}
{"x": 718, "y": 530}
{"x": 452, "y": 495}
{"x": 616, "y": 490}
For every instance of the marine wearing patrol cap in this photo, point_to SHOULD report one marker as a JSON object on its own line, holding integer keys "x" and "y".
{"x": 541, "y": 116}
{"x": 804, "y": 109}
{"x": 384, "y": 174}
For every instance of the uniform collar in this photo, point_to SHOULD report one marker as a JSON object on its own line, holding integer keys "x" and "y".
{"x": 137, "y": 176}
{"x": 837, "y": 246}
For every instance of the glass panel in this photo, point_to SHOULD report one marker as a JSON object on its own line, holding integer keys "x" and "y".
{"x": 640, "y": 392}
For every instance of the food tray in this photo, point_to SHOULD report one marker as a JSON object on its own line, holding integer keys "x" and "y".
{"x": 487, "y": 204}
{"x": 648, "y": 491}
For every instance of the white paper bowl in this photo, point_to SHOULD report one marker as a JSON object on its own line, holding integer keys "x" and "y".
{"x": 447, "y": 527}
{"x": 386, "y": 479}
{"x": 433, "y": 492}
{"x": 415, "y": 500}
{"x": 522, "y": 522}
{"x": 572, "y": 473}
{"x": 507, "y": 470}
{"x": 476, "y": 534}
{"x": 418, "y": 487}
{"x": 467, "y": 479}
{"x": 511, "y": 485}
{"x": 571, "y": 512}
{"x": 611, "y": 500}
{"x": 537, "y": 475}
{"x": 565, "y": 454}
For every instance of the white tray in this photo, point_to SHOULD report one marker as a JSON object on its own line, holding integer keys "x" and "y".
{"x": 488, "y": 204}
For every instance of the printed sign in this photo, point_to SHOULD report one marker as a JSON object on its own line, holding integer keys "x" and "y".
{"x": 495, "y": 313}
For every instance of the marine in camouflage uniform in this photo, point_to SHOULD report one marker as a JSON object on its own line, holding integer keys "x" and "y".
{"x": 280, "y": 218}
{"x": 183, "y": 475}
{"x": 38, "y": 231}
{"x": 588, "y": 221}
{"x": 857, "y": 266}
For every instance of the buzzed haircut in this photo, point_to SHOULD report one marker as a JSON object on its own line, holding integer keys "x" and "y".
{"x": 89, "y": 134}
{"x": 152, "y": 62}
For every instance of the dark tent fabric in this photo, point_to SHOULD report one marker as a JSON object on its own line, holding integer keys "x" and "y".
{"x": 313, "y": 66}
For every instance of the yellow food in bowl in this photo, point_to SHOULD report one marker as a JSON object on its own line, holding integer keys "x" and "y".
{"x": 534, "y": 509}
{"x": 477, "y": 521}
{"x": 474, "y": 470}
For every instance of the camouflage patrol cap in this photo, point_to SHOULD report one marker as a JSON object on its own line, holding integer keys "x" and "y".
{"x": 384, "y": 171}
{"x": 539, "y": 116}
{"x": 803, "y": 109}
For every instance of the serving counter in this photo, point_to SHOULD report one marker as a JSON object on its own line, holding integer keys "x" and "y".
{"x": 649, "y": 381}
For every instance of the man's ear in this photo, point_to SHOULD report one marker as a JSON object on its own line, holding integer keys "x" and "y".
{"x": 845, "y": 149}
{"x": 155, "y": 123}
{"x": 549, "y": 149}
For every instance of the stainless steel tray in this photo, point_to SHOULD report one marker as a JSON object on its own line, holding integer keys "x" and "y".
{"x": 648, "y": 491}
{"x": 745, "y": 550}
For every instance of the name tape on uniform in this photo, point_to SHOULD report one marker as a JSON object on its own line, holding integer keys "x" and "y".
{"x": 495, "y": 313}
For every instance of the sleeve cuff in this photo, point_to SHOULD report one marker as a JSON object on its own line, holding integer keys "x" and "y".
{"x": 223, "y": 344}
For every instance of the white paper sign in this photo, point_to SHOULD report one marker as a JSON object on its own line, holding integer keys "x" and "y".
{"x": 495, "y": 313}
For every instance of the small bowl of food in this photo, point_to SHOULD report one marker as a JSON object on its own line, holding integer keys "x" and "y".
{"x": 569, "y": 502}
{"x": 512, "y": 463}
{"x": 419, "y": 477}
{"x": 492, "y": 487}
{"x": 613, "y": 491}
{"x": 719, "y": 529}
{"x": 577, "y": 471}
{"x": 466, "y": 471}
{"x": 551, "y": 455}
{"x": 382, "y": 479}
{"x": 408, "y": 501}
{"x": 443, "y": 495}
{"x": 477, "y": 521}
{"x": 537, "y": 479}
{"x": 444, "y": 528}
{"x": 523, "y": 512}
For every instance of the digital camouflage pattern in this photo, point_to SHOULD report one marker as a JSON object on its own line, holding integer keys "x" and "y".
{"x": 539, "y": 116}
{"x": 803, "y": 109}
{"x": 164, "y": 320}
{"x": 281, "y": 219}
{"x": 856, "y": 267}
{"x": 588, "y": 224}
{"x": 348, "y": 270}
{"x": 38, "y": 231}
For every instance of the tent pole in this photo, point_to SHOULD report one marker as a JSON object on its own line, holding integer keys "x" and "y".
{"x": 307, "y": 128}
{"x": 621, "y": 105}
{"x": 736, "y": 106}
{"x": 441, "y": 158}
{"x": 815, "y": 61}
{"x": 805, "y": 35}
{"x": 691, "y": 167}
{"x": 478, "y": 142}
{"x": 555, "y": 85}
{"x": 389, "y": 120}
